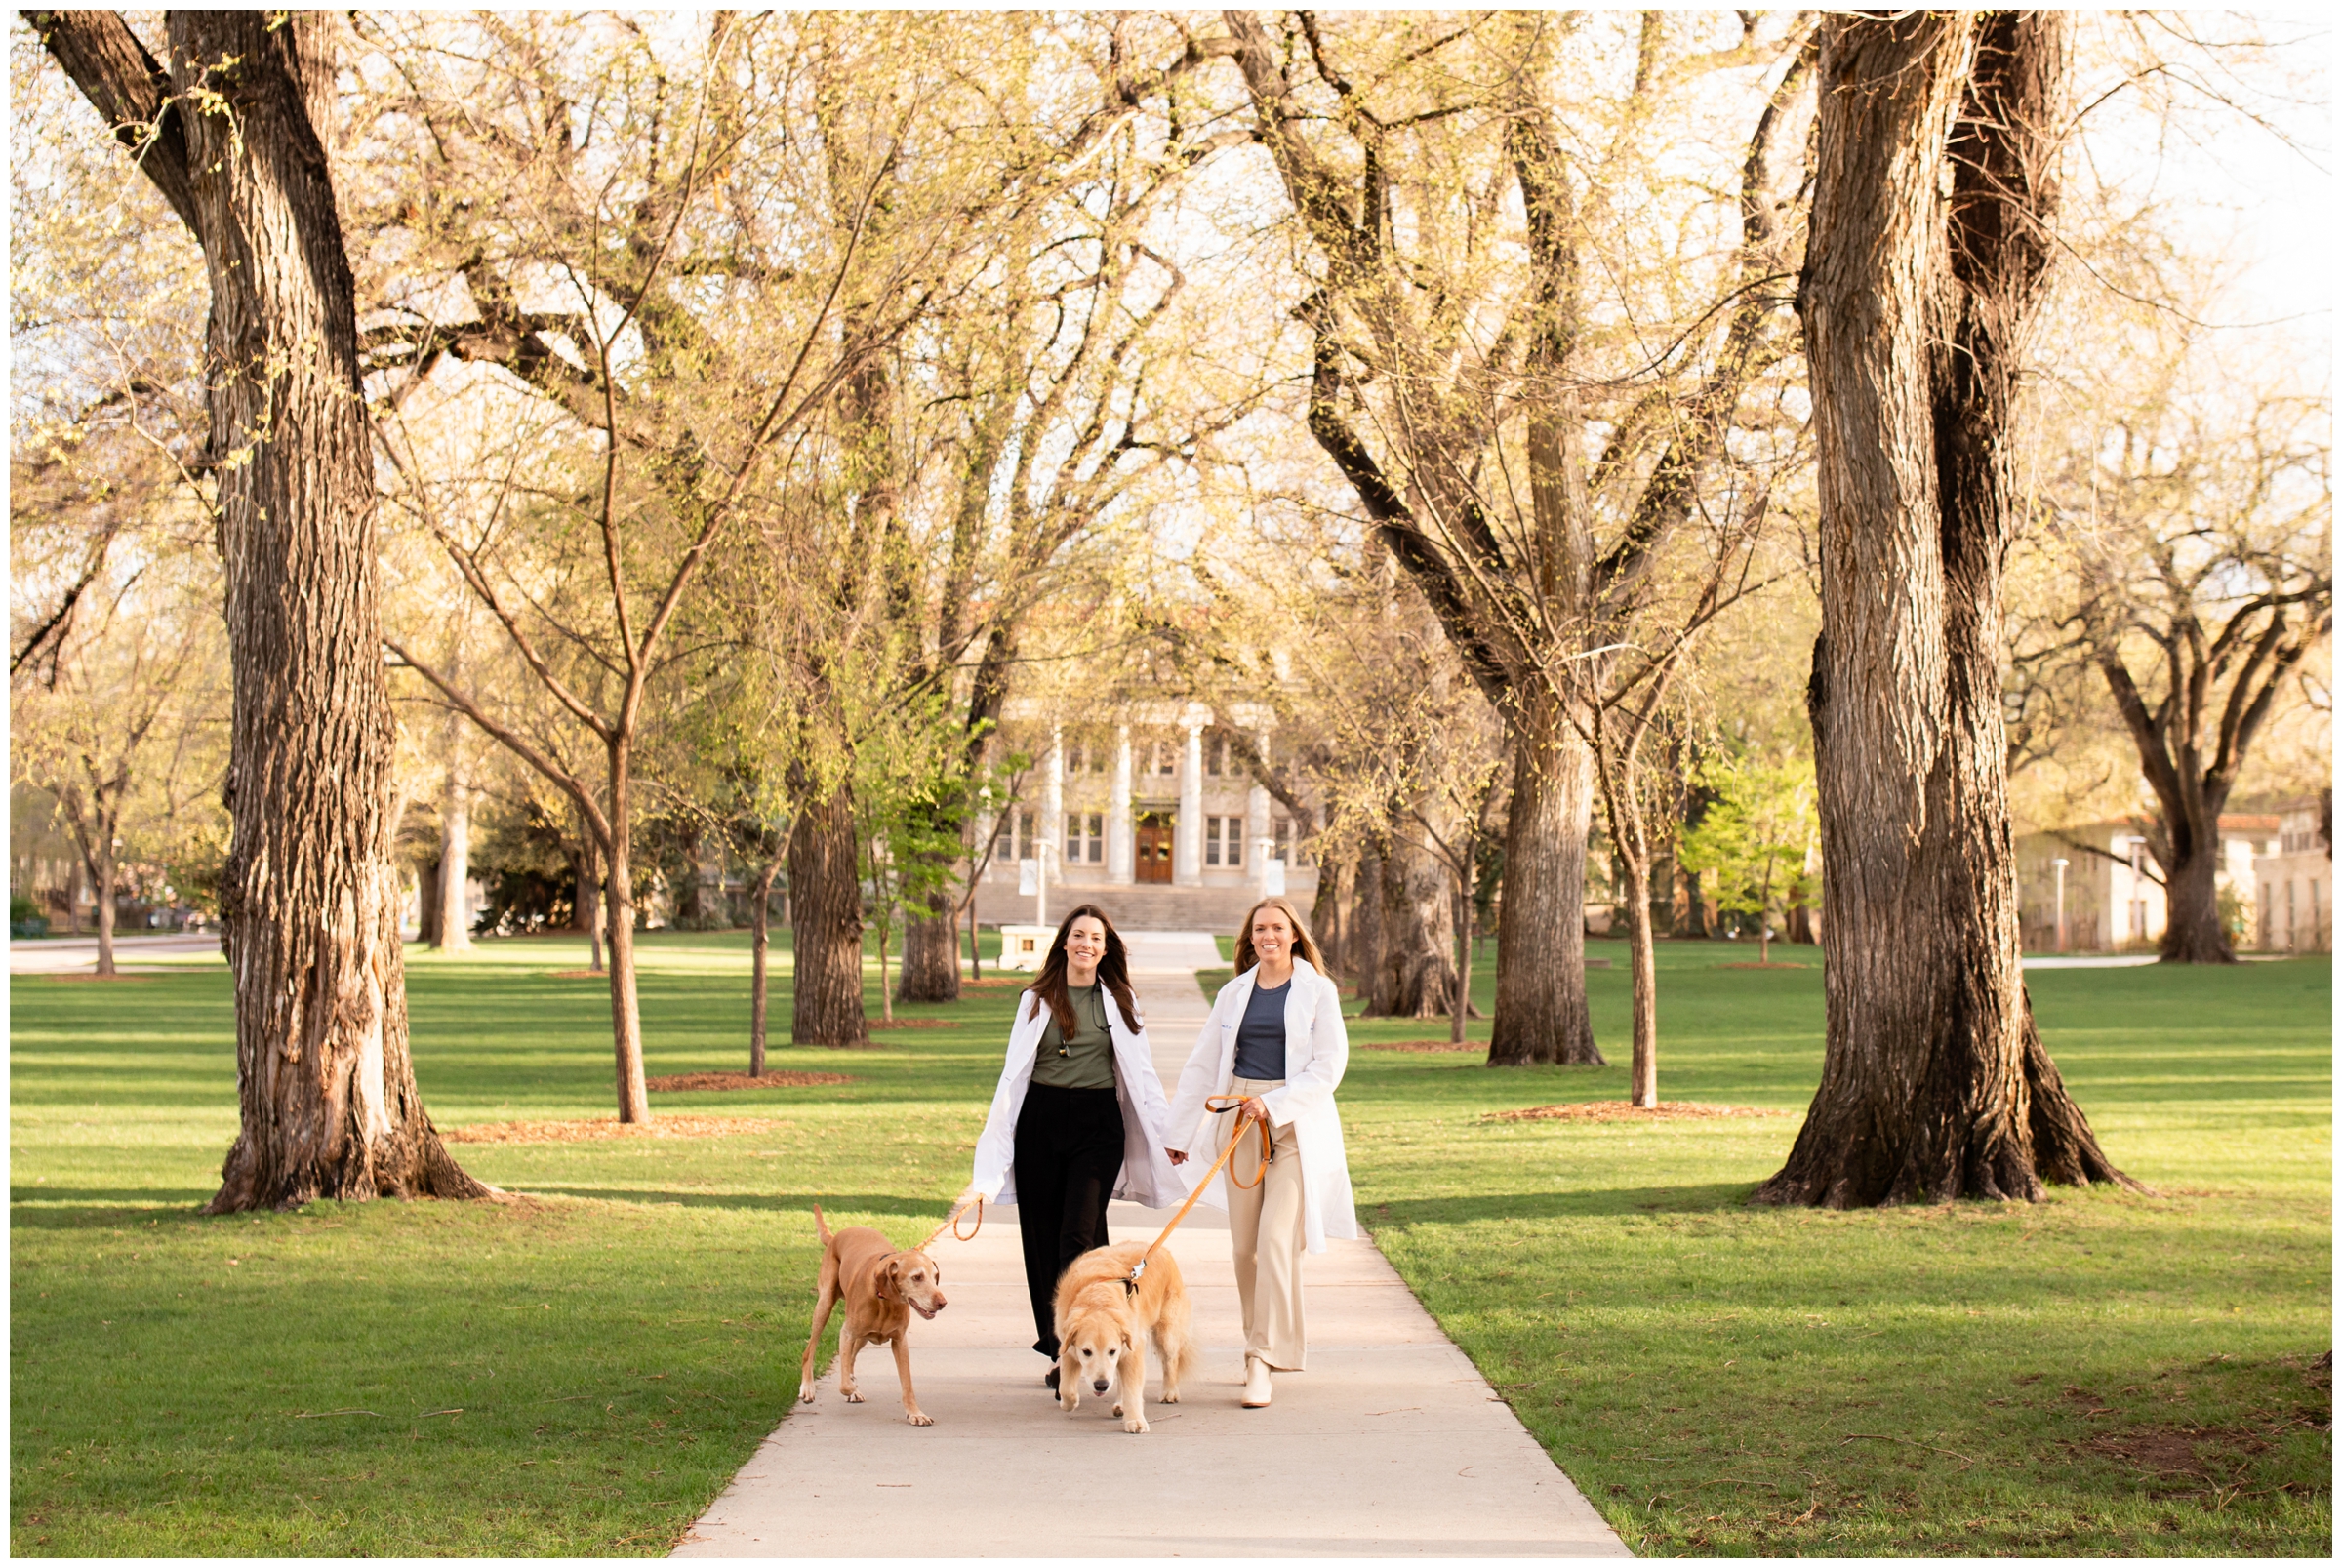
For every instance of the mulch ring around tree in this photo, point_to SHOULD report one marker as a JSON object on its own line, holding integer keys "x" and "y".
{"x": 878, "y": 1024}
{"x": 695, "y": 1082}
{"x": 1416, "y": 1045}
{"x": 599, "y": 1128}
{"x": 1620, "y": 1111}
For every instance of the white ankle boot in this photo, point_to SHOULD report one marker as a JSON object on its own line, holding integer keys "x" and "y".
{"x": 1256, "y": 1383}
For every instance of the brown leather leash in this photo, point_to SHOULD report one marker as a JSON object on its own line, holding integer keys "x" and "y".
{"x": 1130, "y": 1281}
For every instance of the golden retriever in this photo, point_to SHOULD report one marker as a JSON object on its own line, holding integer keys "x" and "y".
{"x": 881, "y": 1288}
{"x": 1102, "y": 1329}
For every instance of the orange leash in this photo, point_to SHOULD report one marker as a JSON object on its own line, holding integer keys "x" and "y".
{"x": 951, "y": 1224}
{"x": 1130, "y": 1281}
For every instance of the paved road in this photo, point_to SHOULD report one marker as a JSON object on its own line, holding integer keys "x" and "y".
{"x": 1389, "y": 1445}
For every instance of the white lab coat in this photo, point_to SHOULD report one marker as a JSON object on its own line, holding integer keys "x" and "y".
{"x": 1146, "y": 1176}
{"x": 1316, "y": 1053}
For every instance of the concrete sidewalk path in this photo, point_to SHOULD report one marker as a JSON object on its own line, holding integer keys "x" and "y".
{"x": 1390, "y": 1444}
{"x": 65, "y": 956}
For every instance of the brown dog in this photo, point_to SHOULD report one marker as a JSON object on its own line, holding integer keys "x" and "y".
{"x": 1102, "y": 1329}
{"x": 881, "y": 1288}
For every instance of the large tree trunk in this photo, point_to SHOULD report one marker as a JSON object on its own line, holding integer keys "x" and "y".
{"x": 1541, "y": 1013}
{"x": 824, "y": 897}
{"x": 1414, "y": 976}
{"x": 931, "y": 952}
{"x": 310, "y": 897}
{"x": 1933, "y": 1083}
{"x": 2193, "y": 933}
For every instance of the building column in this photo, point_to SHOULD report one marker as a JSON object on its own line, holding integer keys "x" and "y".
{"x": 1260, "y": 836}
{"x": 1186, "y": 844}
{"x": 1120, "y": 830}
{"x": 1052, "y": 824}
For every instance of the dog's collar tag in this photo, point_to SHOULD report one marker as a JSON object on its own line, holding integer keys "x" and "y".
{"x": 1130, "y": 1281}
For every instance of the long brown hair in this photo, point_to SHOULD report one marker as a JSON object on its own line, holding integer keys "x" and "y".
{"x": 1303, "y": 944}
{"x": 1113, "y": 973}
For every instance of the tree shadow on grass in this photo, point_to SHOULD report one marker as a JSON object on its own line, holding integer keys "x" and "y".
{"x": 68, "y": 1208}
{"x": 832, "y": 1203}
{"x": 1710, "y": 1197}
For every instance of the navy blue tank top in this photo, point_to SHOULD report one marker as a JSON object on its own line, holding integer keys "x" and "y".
{"x": 1261, "y": 1036}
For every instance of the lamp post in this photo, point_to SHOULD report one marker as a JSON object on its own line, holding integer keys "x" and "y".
{"x": 2060, "y": 862}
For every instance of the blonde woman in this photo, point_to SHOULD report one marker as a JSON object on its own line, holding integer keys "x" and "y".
{"x": 1276, "y": 1040}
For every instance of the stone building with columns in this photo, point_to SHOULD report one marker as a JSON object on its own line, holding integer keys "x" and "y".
{"x": 1145, "y": 808}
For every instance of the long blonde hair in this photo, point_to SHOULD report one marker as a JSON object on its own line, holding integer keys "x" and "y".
{"x": 1303, "y": 944}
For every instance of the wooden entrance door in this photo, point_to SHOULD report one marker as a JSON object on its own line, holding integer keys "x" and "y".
{"x": 1153, "y": 853}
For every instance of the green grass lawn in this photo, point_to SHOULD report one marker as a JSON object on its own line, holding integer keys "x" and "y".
{"x": 580, "y": 1371}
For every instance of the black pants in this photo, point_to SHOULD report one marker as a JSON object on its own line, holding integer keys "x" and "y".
{"x": 1068, "y": 1152}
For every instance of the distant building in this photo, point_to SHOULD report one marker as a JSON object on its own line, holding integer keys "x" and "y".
{"x": 2294, "y": 912}
{"x": 2112, "y": 895}
{"x": 1145, "y": 809}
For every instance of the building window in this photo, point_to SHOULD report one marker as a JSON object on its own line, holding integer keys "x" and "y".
{"x": 1013, "y": 841}
{"x": 1289, "y": 847}
{"x": 1085, "y": 837}
{"x": 1223, "y": 841}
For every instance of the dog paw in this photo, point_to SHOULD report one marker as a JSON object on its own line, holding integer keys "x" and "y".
{"x": 1170, "y": 1396}
{"x": 920, "y": 1419}
{"x": 804, "y": 1395}
{"x": 1135, "y": 1426}
{"x": 1068, "y": 1406}
{"x": 853, "y": 1396}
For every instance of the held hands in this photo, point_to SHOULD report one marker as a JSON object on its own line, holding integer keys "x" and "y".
{"x": 1250, "y": 1111}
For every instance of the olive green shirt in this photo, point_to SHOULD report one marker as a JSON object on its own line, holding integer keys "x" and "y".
{"x": 1087, "y": 1060}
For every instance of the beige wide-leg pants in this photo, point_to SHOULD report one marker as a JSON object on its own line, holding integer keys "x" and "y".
{"x": 1266, "y": 1224}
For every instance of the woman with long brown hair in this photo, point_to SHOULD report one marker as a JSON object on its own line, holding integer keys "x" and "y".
{"x": 1078, "y": 1117}
{"x": 1275, "y": 1042}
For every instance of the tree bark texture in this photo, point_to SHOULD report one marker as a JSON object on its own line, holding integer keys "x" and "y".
{"x": 310, "y": 897}
{"x": 427, "y": 902}
{"x": 825, "y": 896}
{"x": 1928, "y": 244}
{"x": 931, "y": 952}
{"x": 2192, "y": 930}
{"x": 1414, "y": 976}
{"x": 1541, "y": 1012}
